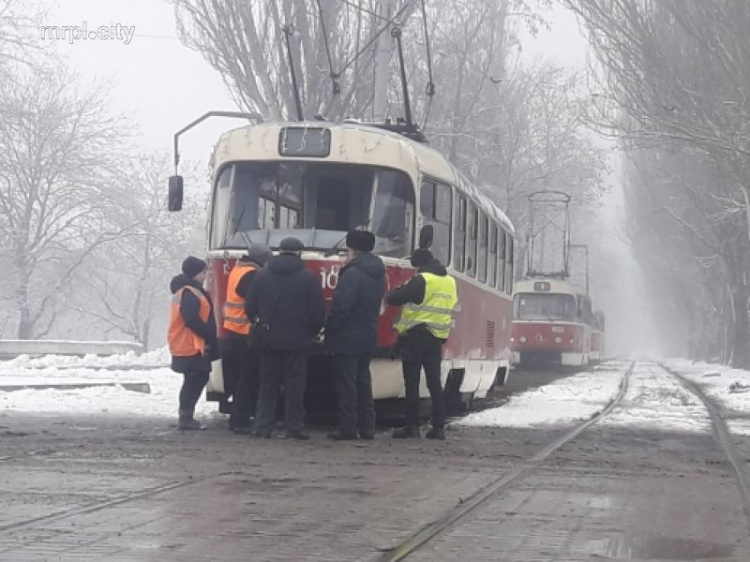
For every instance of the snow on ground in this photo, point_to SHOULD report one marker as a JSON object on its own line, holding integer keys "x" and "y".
{"x": 115, "y": 401}
{"x": 727, "y": 386}
{"x": 656, "y": 400}
{"x": 572, "y": 399}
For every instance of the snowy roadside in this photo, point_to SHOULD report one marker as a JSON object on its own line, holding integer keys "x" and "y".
{"x": 568, "y": 400}
{"x": 729, "y": 387}
{"x": 115, "y": 401}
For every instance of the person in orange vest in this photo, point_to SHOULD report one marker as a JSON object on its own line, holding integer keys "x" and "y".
{"x": 192, "y": 337}
{"x": 241, "y": 363}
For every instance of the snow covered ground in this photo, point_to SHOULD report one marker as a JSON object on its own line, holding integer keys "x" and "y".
{"x": 564, "y": 401}
{"x": 727, "y": 386}
{"x": 653, "y": 400}
{"x": 115, "y": 401}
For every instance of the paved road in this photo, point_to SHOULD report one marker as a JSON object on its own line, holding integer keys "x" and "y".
{"x": 80, "y": 489}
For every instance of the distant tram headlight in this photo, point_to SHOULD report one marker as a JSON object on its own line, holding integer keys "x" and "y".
{"x": 558, "y": 340}
{"x": 522, "y": 339}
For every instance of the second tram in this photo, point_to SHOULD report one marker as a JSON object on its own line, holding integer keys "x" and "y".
{"x": 552, "y": 323}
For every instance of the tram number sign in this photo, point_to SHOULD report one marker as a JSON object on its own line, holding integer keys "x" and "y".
{"x": 543, "y": 286}
{"x": 329, "y": 278}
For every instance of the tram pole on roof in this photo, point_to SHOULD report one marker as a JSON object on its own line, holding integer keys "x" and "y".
{"x": 382, "y": 63}
{"x": 548, "y": 235}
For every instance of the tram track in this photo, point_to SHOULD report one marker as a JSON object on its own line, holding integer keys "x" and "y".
{"x": 723, "y": 436}
{"x": 455, "y": 515}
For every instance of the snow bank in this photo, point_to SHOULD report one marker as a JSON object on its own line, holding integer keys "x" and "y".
{"x": 572, "y": 399}
{"x": 727, "y": 386}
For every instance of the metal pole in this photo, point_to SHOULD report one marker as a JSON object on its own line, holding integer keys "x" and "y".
{"x": 288, "y": 32}
{"x": 382, "y": 62}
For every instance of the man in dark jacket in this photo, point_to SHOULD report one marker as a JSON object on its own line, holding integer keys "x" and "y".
{"x": 428, "y": 301}
{"x": 352, "y": 334}
{"x": 287, "y": 297}
{"x": 192, "y": 336}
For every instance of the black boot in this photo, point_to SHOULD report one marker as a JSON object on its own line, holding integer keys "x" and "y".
{"x": 297, "y": 434}
{"x": 436, "y": 433}
{"x": 187, "y": 423}
{"x": 407, "y": 432}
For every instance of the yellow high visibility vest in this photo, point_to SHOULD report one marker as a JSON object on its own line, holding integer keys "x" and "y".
{"x": 235, "y": 318}
{"x": 436, "y": 310}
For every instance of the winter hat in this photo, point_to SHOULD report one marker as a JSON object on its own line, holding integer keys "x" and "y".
{"x": 420, "y": 257}
{"x": 260, "y": 254}
{"x": 360, "y": 240}
{"x": 192, "y": 266}
{"x": 291, "y": 244}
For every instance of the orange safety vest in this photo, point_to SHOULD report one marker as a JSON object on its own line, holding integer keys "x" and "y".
{"x": 183, "y": 342}
{"x": 235, "y": 319}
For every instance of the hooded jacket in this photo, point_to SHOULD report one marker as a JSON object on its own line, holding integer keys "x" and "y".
{"x": 352, "y": 324}
{"x": 289, "y": 297}
{"x": 190, "y": 310}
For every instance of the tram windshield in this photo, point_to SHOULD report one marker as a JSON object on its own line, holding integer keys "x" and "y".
{"x": 318, "y": 202}
{"x": 550, "y": 307}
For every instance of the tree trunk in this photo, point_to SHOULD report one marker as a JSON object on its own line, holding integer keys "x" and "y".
{"x": 740, "y": 336}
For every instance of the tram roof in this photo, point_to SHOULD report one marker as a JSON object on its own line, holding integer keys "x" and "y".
{"x": 353, "y": 143}
{"x": 555, "y": 286}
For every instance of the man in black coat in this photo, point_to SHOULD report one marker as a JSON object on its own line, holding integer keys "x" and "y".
{"x": 352, "y": 335}
{"x": 287, "y": 297}
{"x": 196, "y": 367}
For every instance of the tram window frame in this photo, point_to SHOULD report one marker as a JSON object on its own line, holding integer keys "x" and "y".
{"x": 492, "y": 255}
{"x": 459, "y": 232}
{"x": 509, "y": 248}
{"x": 436, "y": 208}
{"x": 482, "y": 247}
{"x": 472, "y": 232}
{"x": 501, "y": 261}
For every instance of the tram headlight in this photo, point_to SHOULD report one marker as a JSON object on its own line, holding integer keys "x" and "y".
{"x": 558, "y": 340}
{"x": 522, "y": 339}
{"x": 572, "y": 340}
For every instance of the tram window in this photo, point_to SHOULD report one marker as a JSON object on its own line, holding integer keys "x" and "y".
{"x": 393, "y": 214}
{"x": 492, "y": 259}
{"x": 471, "y": 240}
{"x": 332, "y": 206}
{"x": 508, "y": 263}
{"x": 501, "y": 248}
{"x": 435, "y": 206}
{"x": 459, "y": 238}
{"x": 222, "y": 207}
{"x": 482, "y": 249}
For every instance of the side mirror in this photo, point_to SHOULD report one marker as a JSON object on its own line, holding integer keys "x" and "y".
{"x": 175, "y": 193}
{"x": 425, "y": 236}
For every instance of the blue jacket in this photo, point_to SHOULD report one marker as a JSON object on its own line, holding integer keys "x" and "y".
{"x": 352, "y": 324}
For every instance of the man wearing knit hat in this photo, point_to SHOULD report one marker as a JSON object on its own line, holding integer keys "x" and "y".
{"x": 287, "y": 298}
{"x": 192, "y": 337}
{"x": 428, "y": 302}
{"x": 351, "y": 334}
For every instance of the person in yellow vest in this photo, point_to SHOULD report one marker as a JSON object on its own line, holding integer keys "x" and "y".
{"x": 240, "y": 363}
{"x": 428, "y": 302}
{"x": 192, "y": 337}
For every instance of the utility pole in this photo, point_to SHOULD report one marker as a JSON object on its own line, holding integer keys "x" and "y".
{"x": 382, "y": 62}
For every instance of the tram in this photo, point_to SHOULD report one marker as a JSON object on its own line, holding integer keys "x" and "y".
{"x": 552, "y": 323}
{"x": 318, "y": 180}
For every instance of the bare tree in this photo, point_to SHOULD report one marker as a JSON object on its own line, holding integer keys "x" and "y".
{"x": 126, "y": 283}
{"x": 57, "y": 163}
{"x": 332, "y": 41}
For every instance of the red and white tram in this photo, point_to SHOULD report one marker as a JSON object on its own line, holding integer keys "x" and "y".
{"x": 317, "y": 181}
{"x": 552, "y": 323}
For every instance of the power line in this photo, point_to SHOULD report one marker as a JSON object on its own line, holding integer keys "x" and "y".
{"x": 334, "y": 75}
{"x": 430, "y": 89}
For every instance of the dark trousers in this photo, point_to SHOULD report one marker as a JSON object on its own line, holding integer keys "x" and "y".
{"x": 192, "y": 385}
{"x": 242, "y": 365}
{"x": 422, "y": 350}
{"x": 289, "y": 368}
{"x": 354, "y": 392}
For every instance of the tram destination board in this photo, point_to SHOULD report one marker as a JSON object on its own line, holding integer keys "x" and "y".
{"x": 542, "y": 286}
{"x": 311, "y": 142}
